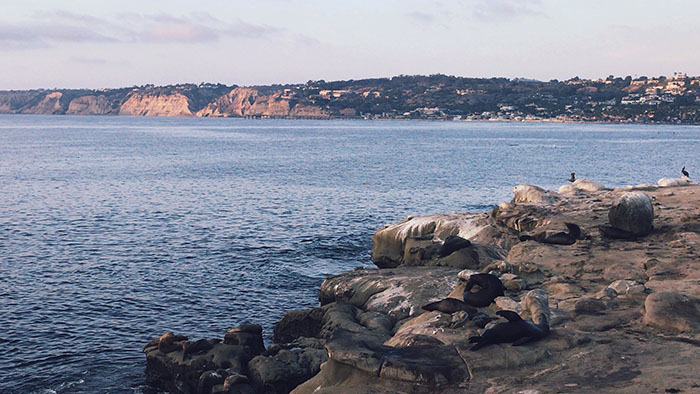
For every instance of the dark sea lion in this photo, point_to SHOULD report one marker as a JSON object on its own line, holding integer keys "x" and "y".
{"x": 169, "y": 342}
{"x": 615, "y": 233}
{"x": 515, "y": 330}
{"x": 684, "y": 172}
{"x": 562, "y": 238}
{"x": 490, "y": 287}
{"x": 573, "y": 177}
{"x": 450, "y": 306}
{"x": 482, "y": 319}
{"x": 452, "y": 244}
{"x": 197, "y": 347}
{"x": 574, "y": 230}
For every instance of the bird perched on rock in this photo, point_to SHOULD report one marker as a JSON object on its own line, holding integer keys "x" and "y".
{"x": 573, "y": 177}
{"x": 685, "y": 173}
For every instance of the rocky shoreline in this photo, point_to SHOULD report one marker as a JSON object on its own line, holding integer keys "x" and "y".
{"x": 620, "y": 302}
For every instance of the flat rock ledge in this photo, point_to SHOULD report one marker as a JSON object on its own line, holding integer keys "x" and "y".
{"x": 624, "y": 314}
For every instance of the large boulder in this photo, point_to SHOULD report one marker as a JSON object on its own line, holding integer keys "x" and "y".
{"x": 633, "y": 212}
{"x": 285, "y": 370}
{"x": 529, "y": 194}
{"x": 588, "y": 185}
{"x": 668, "y": 182}
{"x": 420, "y": 240}
{"x": 672, "y": 312}
{"x": 398, "y": 292}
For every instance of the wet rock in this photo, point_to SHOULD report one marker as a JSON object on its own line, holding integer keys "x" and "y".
{"x": 633, "y": 213}
{"x": 284, "y": 371}
{"x": 246, "y": 335}
{"x": 177, "y": 373}
{"x": 672, "y": 312}
{"x": 300, "y": 323}
{"x": 209, "y": 379}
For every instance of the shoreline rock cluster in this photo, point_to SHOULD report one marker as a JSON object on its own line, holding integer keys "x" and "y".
{"x": 616, "y": 306}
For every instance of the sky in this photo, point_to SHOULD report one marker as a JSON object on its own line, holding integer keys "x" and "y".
{"x": 107, "y": 44}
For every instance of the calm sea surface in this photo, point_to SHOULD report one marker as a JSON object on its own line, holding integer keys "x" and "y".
{"x": 114, "y": 230}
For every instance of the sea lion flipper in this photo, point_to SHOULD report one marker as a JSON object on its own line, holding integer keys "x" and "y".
{"x": 509, "y": 315}
{"x": 574, "y": 230}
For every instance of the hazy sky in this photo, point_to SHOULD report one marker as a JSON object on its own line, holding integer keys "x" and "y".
{"x": 101, "y": 43}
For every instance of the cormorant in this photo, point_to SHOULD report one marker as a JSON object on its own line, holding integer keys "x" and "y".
{"x": 685, "y": 173}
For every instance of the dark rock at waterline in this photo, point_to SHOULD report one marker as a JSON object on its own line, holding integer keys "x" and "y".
{"x": 246, "y": 335}
{"x": 301, "y": 323}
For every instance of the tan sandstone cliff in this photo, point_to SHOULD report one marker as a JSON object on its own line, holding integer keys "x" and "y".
{"x": 146, "y": 104}
{"x": 249, "y": 102}
{"x": 89, "y": 105}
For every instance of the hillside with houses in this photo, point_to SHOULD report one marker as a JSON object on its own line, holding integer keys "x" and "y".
{"x": 674, "y": 99}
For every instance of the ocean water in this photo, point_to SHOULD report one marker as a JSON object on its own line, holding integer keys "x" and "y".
{"x": 114, "y": 230}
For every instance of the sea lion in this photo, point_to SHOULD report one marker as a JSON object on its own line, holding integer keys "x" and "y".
{"x": 452, "y": 244}
{"x": 573, "y": 177}
{"x": 560, "y": 238}
{"x": 482, "y": 319}
{"x": 197, "y": 347}
{"x": 684, "y": 172}
{"x": 490, "y": 287}
{"x": 615, "y": 233}
{"x": 169, "y": 342}
{"x": 515, "y": 330}
{"x": 450, "y": 306}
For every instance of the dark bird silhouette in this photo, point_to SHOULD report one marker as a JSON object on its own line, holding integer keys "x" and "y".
{"x": 573, "y": 177}
{"x": 685, "y": 173}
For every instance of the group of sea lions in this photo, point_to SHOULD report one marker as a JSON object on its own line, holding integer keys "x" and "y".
{"x": 515, "y": 330}
{"x": 170, "y": 342}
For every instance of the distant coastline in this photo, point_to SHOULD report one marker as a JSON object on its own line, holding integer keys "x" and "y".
{"x": 657, "y": 100}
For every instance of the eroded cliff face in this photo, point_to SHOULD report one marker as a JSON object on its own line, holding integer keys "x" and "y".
{"x": 52, "y": 103}
{"x": 168, "y": 101}
{"x": 89, "y": 105}
{"x": 145, "y": 104}
{"x": 237, "y": 102}
{"x": 249, "y": 102}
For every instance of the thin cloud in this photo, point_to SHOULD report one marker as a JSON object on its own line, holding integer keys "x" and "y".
{"x": 495, "y": 10}
{"x": 51, "y": 28}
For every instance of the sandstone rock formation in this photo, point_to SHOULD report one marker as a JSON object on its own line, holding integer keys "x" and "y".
{"x": 147, "y": 104}
{"x": 89, "y": 105}
{"x": 624, "y": 316}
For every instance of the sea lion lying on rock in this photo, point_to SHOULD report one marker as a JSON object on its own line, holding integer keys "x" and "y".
{"x": 450, "y": 306}
{"x": 515, "y": 330}
{"x": 560, "y": 238}
{"x": 197, "y": 347}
